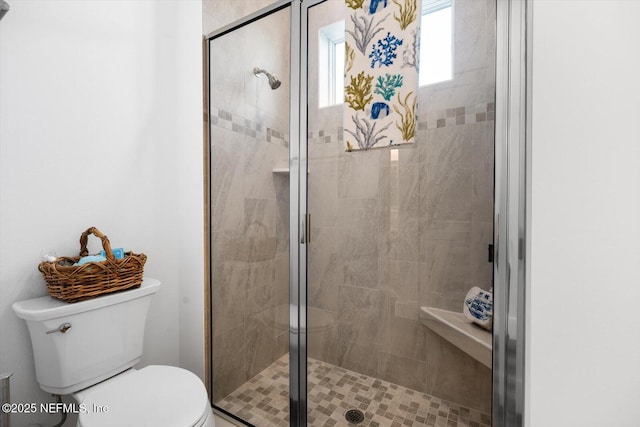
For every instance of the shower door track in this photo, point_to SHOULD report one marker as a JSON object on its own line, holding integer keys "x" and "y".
{"x": 510, "y": 213}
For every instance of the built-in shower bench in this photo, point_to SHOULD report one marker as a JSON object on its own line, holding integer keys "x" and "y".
{"x": 459, "y": 331}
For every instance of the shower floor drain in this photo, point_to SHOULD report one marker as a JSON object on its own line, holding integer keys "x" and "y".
{"x": 354, "y": 416}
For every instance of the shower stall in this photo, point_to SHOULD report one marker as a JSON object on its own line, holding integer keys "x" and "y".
{"x": 337, "y": 278}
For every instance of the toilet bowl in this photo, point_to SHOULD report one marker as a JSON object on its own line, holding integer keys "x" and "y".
{"x": 151, "y": 396}
{"x": 88, "y": 350}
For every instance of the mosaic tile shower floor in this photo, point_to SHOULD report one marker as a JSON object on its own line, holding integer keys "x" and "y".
{"x": 264, "y": 400}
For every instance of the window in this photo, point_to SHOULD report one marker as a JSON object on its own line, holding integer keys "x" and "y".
{"x": 331, "y": 64}
{"x": 436, "y": 42}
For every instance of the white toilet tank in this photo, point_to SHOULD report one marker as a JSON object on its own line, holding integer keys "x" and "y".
{"x": 105, "y": 336}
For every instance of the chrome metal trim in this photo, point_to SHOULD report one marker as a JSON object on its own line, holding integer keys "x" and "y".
{"x": 62, "y": 329}
{"x": 206, "y": 220}
{"x": 500, "y": 208}
{"x": 297, "y": 339}
{"x": 303, "y": 64}
{"x": 511, "y": 145}
{"x": 305, "y": 228}
{"x": 268, "y": 10}
{"x": 209, "y": 166}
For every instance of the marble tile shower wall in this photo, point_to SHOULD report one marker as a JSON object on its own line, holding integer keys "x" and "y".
{"x": 392, "y": 235}
{"x": 250, "y": 256}
{"x": 249, "y": 203}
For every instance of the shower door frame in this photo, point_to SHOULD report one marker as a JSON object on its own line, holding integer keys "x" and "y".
{"x": 511, "y": 204}
{"x": 512, "y": 193}
{"x": 297, "y": 267}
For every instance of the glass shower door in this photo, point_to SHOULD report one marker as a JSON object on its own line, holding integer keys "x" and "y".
{"x": 249, "y": 224}
{"x": 396, "y": 229}
{"x": 323, "y": 259}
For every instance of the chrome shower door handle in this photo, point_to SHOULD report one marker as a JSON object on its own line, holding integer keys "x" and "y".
{"x": 62, "y": 329}
{"x": 305, "y": 229}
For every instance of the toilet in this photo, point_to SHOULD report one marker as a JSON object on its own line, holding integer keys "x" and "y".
{"x": 88, "y": 350}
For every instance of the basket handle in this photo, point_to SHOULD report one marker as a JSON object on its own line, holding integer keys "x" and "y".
{"x": 106, "y": 245}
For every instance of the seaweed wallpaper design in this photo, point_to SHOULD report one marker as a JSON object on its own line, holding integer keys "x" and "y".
{"x": 381, "y": 72}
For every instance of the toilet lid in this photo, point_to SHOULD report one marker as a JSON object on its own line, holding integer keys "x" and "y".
{"x": 153, "y": 396}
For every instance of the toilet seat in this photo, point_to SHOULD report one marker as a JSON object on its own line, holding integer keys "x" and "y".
{"x": 152, "y": 396}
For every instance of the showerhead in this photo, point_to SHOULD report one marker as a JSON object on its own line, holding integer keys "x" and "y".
{"x": 274, "y": 82}
{"x": 4, "y": 8}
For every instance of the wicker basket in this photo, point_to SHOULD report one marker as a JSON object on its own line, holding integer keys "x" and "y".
{"x": 72, "y": 283}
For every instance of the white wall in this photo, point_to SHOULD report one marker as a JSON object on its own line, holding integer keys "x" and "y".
{"x": 191, "y": 269}
{"x": 100, "y": 124}
{"x": 584, "y": 336}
